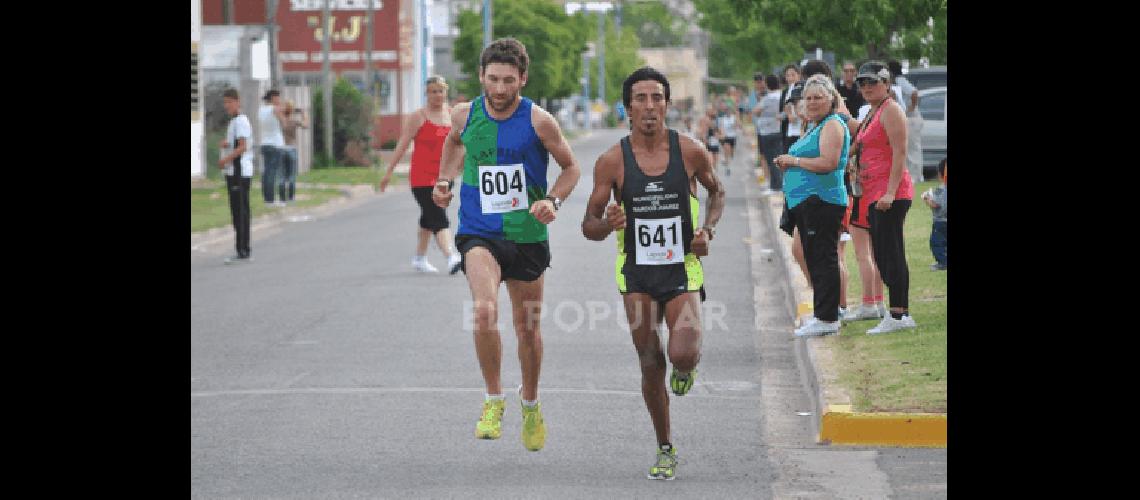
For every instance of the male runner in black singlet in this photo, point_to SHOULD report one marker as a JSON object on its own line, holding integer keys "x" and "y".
{"x": 650, "y": 172}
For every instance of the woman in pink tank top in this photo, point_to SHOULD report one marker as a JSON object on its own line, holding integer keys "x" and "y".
{"x": 428, "y": 126}
{"x": 887, "y": 189}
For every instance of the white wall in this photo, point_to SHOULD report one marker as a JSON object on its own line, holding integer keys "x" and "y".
{"x": 197, "y": 133}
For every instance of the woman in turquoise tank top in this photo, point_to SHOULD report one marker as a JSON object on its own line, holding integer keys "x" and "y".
{"x": 814, "y": 191}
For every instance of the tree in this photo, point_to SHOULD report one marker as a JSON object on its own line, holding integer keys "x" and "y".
{"x": 552, "y": 41}
{"x": 620, "y": 53}
{"x": 769, "y": 33}
{"x": 653, "y": 24}
{"x": 351, "y": 113}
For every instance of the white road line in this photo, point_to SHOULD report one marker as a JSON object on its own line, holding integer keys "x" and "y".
{"x": 390, "y": 390}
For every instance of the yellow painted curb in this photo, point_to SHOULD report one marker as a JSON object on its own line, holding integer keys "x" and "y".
{"x": 839, "y": 425}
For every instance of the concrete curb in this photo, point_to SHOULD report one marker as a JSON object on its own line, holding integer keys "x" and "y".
{"x": 838, "y": 423}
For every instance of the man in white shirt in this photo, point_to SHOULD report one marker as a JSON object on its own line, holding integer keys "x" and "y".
{"x": 270, "y": 117}
{"x": 767, "y": 117}
{"x": 908, "y": 98}
{"x": 237, "y": 165}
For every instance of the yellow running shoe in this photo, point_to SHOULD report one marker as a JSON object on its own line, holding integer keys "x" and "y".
{"x": 490, "y": 424}
{"x": 682, "y": 382}
{"x": 666, "y": 465}
{"x": 533, "y": 430}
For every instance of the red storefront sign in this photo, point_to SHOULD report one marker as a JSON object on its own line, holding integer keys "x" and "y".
{"x": 300, "y": 35}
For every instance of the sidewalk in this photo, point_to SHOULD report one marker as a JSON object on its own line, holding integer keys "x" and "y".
{"x": 838, "y": 423}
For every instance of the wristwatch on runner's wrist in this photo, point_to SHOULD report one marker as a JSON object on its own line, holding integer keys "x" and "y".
{"x": 556, "y": 201}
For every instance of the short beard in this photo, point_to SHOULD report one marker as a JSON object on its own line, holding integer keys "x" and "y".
{"x": 510, "y": 100}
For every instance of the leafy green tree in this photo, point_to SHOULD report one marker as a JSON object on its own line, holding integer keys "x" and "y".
{"x": 653, "y": 24}
{"x": 767, "y": 33}
{"x": 351, "y": 113}
{"x": 552, "y": 41}
{"x": 621, "y": 56}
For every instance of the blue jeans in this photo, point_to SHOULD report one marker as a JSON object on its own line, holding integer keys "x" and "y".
{"x": 938, "y": 242}
{"x": 771, "y": 146}
{"x": 288, "y": 176}
{"x": 271, "y": 161}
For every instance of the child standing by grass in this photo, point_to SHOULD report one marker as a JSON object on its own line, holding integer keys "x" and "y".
{"x": 935, "y": 198}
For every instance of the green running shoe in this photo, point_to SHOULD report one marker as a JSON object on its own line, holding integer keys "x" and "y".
{"x": 533, "y": 430}
{"x": 490, "y": 424}
{"x": 666, "y": 465}
{"x": 682, "y": 382}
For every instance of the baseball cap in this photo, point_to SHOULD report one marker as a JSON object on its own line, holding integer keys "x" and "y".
{"x": 874, "y": 69}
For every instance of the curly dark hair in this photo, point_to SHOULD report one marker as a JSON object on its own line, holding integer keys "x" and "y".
{"x": 506, "y": 51}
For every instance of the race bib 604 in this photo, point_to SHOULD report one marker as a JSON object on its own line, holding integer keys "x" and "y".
{"x": 502, "y": 188}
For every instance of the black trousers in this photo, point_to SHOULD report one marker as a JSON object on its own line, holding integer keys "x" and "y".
{"x": 889, "y": 248}
{"x": 238, "y": 189}
{"x": 818, "y": 222}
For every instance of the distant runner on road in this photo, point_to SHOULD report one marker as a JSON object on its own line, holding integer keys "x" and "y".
{"x": 499, "y": 141}
{"x": 650, "y": 173}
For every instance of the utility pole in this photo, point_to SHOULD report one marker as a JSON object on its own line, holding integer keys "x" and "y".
{"x": 486, "y": 23}
{"x": 368, "y": 75}
{"x": 602, "y": 56}
{"x": 326, "y": 70}
{"x": 271, "y": 34}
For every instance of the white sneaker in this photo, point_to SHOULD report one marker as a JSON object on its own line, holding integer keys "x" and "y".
{"x": 817, "y": 328}
{"x": 454, "y": 262}
{"x": 890, "y": 324}
{"x": 423, "y": 266}
{"x": 882, "y": 309}
{"x": 862, "y": 312}
{"x": 909, "y": 321}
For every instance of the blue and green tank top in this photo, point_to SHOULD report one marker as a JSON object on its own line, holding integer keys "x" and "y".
{"x": 490, "y": 143}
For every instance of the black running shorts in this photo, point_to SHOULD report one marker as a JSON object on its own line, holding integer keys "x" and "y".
{"x": 517, "y": 261}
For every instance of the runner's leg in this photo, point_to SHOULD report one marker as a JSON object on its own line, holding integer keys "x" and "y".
{"x": 483, "y": 275}
{"x": 644, "y": 316}
{"x": 526, "y": 309}
{"x": 683, "y": 316}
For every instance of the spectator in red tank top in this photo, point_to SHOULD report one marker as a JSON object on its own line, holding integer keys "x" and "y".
{"x": 887, "y": 189}
{"x": 428, "y": 127}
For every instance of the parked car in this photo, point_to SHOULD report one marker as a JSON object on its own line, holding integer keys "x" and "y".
{"x": 932, "y": 107}
{"x": 925, "y": 78}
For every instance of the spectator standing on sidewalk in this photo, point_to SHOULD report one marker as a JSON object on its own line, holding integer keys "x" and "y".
{"x": 237, "y": 165}
{"x": 270, "y": 116}
{"x": 813, "y": 188}
{"x": 888, "y": 189}
{"x": 428, "y": 127}
{"x": 295, "y": 118}
{"x": 847, "y": 88}
{"x": 767, "y": 118}
{"x": 909, "y": 95}
{"x": 789, "y": 118}
{"x": 935, "y": 198}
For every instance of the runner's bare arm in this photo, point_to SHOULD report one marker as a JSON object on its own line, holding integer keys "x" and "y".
{"x": 551, "y": 136}
{"x": 600, "y": 219}
{"x": 701, "y": 163}
{"x": 451, "y": 160}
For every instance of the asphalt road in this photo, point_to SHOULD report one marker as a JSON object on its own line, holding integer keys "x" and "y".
{"x": 329, "y": 368}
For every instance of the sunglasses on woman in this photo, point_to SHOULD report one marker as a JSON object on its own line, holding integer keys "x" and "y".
{"x": 866, "y": 82}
